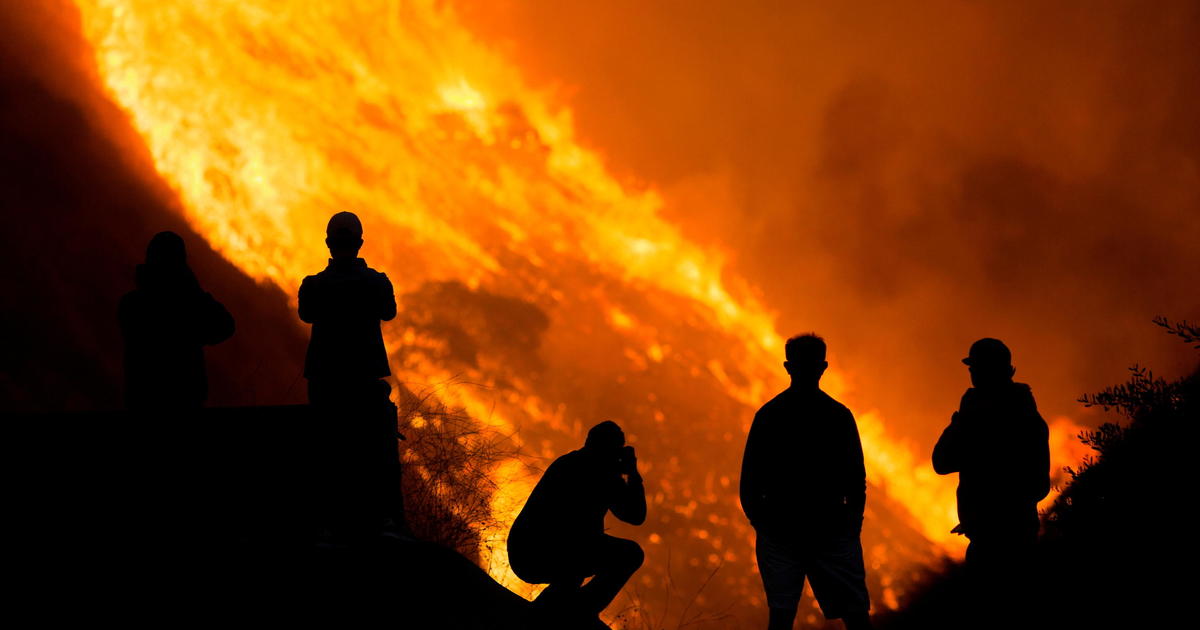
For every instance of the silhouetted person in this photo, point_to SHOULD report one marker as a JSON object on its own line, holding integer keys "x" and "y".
{"x": 998, "y": 444}
{"x": 345, "y": 363}
{"x": 166, "y": 322}
{"x": 558, "y": 538}
{"x": 804, "y": 488}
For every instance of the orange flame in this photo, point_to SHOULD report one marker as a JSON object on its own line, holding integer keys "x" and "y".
{"x": 267, "y": 117}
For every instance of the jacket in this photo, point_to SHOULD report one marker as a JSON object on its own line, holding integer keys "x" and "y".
{"x": 998, "y": 444}
{"x": 345, "y": 304}
{"x": 803, "y": 471}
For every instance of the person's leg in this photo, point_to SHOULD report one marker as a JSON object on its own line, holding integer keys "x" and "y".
{"x": 363, "y": 432}
{"x": 860, "y": 620}
{"x": 381, "y": 450}
{"x": 783, "y": 580}
{"x": 325, "y": 505}
{"x": 998, "y": 566}
{"x": 839, "y": 582}
{"x": 781, "y": 618}
{"x": 614, "y": 561}
{"x": 989, "y": 595}
{"x": 538, "y": 558}
{"x": 560, "y": 594}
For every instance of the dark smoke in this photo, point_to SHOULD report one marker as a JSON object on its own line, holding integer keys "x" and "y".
{"x": 907, "y": 178}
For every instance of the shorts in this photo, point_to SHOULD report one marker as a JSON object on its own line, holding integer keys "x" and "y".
{"x": 834, "y": 568}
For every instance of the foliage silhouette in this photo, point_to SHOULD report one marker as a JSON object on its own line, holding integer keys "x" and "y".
{"x": 447, "y": 479}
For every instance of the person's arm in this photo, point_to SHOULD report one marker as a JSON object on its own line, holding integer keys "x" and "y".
{"x": 750, "y": 487}
{"x": 630, "y": 500}
{"x": 1038, "y": 455}
{"x": 216, "y": 324}
{"x": 855, "y": 482}
{"x": 309, "y": 301}
{"x": 387, "y": 299}
{"x": 948, "y": 452}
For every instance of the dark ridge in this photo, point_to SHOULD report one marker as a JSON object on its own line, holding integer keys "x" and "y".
{"x": 198, "y": 516}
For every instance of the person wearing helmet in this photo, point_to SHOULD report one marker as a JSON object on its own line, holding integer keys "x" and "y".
{"x": 998, "y": 444}
{"x": 344, "y": 365}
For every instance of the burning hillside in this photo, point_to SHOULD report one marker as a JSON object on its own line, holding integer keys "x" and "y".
{"x": 551, "y": 294}
{"x": 540, "y": 293}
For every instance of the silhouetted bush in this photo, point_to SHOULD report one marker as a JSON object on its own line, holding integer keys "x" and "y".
{"x": 448, "y": 461}
{"x": 1115, "y": 534}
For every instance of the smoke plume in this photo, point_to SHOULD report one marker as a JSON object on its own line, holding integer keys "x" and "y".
{"x": 906, "y": 178}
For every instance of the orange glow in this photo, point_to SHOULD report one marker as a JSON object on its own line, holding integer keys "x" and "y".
{"x": 267, "y": 119}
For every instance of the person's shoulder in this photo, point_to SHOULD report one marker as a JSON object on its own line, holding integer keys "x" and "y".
{"x": 774, "y": 406}
{"x": 566, "y": 461}
{"x": 1022, "y": 395}
{"x": 834, "y": 406}
{"x": 361, "y": 270}
{"x": 564, "y": 467}
{"x": 376, "y": 274}
{"x": 574, "y": 458}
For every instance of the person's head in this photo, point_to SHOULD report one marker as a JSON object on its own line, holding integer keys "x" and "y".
{"x": 343, "y": 235}
{"x": 605, "y": 439}
{"x": 805, "y": 359}
{"x": 166, "y": 250}
{"x": 989, "y": 362}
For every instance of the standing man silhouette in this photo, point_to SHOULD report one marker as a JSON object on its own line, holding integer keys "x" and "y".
{"x": 165, "y": 323}
{"x": 998, "y": 444}
{"x": 346, "y": 359}
{"x": 558, "y": 538}
{"x": 804, "y": 489}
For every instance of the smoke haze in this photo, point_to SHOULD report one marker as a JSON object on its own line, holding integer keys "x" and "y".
{"x": 906, "y": 179}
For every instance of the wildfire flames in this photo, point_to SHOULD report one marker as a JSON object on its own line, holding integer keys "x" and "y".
{"x": 542, "y": 294}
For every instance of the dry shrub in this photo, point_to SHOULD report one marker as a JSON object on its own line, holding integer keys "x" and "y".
{"x": 448, "y": 458}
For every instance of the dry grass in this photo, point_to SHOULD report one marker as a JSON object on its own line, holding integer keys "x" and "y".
{"x": 637, "y": 616}
{"x": 448, "y": 460}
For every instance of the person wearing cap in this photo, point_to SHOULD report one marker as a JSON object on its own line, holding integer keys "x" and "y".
{"x": 345, "y": 304}
{"x": 165, "y": 324}
{"x": 998, "y": 444}
{"x": 804, "y": 489}
{"x": 344, "y": 365}
{"x": 558, "y": 538}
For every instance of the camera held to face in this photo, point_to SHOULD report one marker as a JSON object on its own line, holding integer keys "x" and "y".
{"x": 628, "y": 460}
